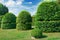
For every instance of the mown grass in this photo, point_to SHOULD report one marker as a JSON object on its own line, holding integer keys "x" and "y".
{"x": 13, "y": 34}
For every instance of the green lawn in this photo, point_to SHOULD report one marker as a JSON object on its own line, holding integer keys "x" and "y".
{"x": 13, "y": 34}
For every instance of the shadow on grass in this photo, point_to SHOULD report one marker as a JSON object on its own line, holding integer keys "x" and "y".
{"x": 44, "y": 36}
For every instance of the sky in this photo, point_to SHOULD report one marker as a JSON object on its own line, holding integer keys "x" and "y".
{"x": 16, "y": 6}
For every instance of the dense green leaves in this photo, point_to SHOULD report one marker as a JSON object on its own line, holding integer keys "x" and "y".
{"x": 48, "y": 26}
{"x": 24, "y": 20}
{"x": 8, "y": 21}
{"x": 0, "y": 20}
{"x": 3, "y": 9}
{"x": 46, "y": 11}
{"x": 48, "y": 17}
{"x": 37, "y": 33}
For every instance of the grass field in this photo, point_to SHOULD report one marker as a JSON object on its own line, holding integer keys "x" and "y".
{"x": 13, "y": 34}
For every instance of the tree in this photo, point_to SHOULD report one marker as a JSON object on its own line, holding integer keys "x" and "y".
{"x": 24, "y": 20}
{"x": 3, "y": 9}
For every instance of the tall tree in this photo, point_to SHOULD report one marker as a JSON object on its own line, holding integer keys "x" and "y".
{"x": 3, "y": 9}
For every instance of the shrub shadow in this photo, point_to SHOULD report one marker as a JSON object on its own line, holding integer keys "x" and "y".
{"x": 30, "y": 29}
{"x": 44, "y": 36}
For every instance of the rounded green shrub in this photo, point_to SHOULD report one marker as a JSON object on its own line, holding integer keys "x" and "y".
{"x": 3, "y": 9}
{"x": 8, "y": 21}
{"x": 48, "y": 17}
{"x": 46, "y": 11}
{"x": 37, "y": 33}
{"x": 24, "y": 20}
{"x": 48, "y": 26}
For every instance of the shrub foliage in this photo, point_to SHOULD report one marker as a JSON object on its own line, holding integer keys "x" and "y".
{"x": 37, "y": 33}
{"x": 8, "y": 21}
{"x": 0, "y": 20}
{"x": 3, "y": 9}
{"x": 24, "y": 20}
{"x": 46, "y": 11}
{"x": 48, "y": 26}
{"x": 48, "y": 17}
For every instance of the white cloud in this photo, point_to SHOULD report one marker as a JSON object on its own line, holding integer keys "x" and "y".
{"x": 14, "y": 11}
{"x": 16, "y": 6}
{"x": 19, "y": 2}
{"x": 30, "y": 2}
{"x": 10, "y": 3}
{"x": 2, "y": 1}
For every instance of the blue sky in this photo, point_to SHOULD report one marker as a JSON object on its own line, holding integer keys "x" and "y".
{"x": 15, "y": 6}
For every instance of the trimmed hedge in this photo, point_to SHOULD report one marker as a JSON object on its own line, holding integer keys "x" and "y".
{"x": 24, "y": 20}
{"x": 48, "y": 17}
{"x": 8, "y": 21}
{"x": 48, "y": 26}
{"x": 37, "y": 33}
{"x": 46, "y": 11}
{"x": 56, "y": 16}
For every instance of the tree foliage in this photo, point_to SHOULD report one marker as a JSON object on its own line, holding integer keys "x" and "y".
{"x": 3, "y": 9}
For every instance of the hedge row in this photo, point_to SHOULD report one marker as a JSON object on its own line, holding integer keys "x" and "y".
{"x": 48, "y": 26}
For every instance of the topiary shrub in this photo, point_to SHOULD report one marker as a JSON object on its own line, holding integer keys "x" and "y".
{"x": 48, "y": 26}
{"x": 24, "y": 20}
{"x": 46, "y": 11}
{"x": 37, "y": 33}
{"x": 56, "y": 16}
{"x": 8, "y": 21}
{"x": 48, "y": 17}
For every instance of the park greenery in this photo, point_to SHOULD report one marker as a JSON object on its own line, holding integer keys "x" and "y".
{"x": 24, "y": 20}
{"x": 46, "y": 19}
{"x": 8, "y": 21}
